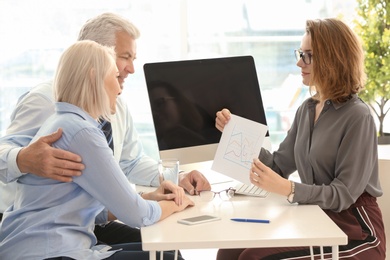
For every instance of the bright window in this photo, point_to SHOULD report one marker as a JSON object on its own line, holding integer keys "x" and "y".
{"x": 34, "y": 33}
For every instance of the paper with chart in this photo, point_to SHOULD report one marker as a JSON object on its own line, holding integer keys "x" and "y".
{"x": 240, "y": 143}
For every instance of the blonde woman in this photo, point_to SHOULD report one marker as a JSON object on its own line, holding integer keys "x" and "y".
{"x": 55, "y": 220}
{"x": 18, "y": 156}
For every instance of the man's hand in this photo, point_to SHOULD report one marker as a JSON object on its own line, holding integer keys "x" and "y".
{"x": 41, "y": 159}
{"x": 222, "y": 118}
{"x": 193, "y": 181}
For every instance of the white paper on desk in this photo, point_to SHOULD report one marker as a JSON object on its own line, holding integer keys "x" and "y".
{"x": 240, "y": 143}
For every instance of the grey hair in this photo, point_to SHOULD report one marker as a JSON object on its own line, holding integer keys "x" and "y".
{"x": 103, "y": 28}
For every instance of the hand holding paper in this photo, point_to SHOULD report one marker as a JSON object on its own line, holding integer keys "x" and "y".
{"x": 240, "y": 143}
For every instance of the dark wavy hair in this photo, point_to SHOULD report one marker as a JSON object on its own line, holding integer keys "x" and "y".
{"x": 338, "y": 59}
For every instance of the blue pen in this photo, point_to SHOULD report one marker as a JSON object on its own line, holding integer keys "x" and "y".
{"x": 250, "y": 220}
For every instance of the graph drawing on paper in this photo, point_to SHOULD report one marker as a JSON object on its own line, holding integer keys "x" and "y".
{"x": 240, "y": 143}
{"x": 242, "y": 146}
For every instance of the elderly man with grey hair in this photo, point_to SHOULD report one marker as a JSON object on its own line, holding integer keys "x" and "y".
{"x": 18, "y": 156}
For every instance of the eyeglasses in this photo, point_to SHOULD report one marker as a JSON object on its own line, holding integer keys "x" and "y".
{"x": 208, "y": 195}
{"x": 306, "y": 57}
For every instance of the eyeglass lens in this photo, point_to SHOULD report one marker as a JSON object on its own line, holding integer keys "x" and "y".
{"x": 224, "y": 195}
{"x": 306, "y": 57}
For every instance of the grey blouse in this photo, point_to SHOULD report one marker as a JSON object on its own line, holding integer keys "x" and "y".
{"x": 336, "y": 158}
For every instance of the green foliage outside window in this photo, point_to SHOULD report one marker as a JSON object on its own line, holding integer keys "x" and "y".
{"x": 373, "y": 26}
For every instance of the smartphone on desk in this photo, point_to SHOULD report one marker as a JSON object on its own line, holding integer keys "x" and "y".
{"x": 198, "y": 219}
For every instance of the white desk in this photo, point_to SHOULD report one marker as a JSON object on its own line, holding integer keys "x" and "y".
{"x": 291, "y": 225}
{"x": 384, "y": 176}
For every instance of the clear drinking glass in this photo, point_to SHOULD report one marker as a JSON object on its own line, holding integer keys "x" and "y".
{"x": 169, "y": 169}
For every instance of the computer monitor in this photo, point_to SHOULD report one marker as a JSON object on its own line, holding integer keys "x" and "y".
{"x": 185, "y": 96}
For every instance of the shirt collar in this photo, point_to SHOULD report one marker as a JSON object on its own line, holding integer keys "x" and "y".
{"x": 334, "y": 104}
{"x": 63, "y": 107}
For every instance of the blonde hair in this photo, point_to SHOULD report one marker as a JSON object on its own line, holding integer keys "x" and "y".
{"x": 338, "y": 67}
{"x": 79, "y": 79}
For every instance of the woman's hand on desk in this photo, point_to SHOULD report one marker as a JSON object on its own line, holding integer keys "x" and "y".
{"x": 167, "y": 191}
{"x": 168, "y": 207}
{"x": 170, "y": 202}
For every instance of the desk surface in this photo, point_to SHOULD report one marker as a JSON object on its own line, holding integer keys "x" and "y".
{"x": 290, "y": 225}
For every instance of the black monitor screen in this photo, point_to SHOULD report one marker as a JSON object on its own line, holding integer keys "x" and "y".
{"x": 185, "y": 96}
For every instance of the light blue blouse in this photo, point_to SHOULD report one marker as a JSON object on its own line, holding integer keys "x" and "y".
{"x": 51, "y": 218}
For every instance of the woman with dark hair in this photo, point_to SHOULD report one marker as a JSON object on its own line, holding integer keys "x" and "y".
{"x": 332, "y": 144}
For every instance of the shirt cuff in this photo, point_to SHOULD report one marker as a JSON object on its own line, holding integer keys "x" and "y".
{"x": 13, "y": 169}
{"x": 102, "y": 217}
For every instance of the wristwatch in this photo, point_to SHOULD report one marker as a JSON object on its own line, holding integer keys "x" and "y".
{"x": 290, "y": 197}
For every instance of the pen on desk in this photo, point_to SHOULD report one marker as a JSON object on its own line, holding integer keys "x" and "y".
{"x": 250, "y": 220}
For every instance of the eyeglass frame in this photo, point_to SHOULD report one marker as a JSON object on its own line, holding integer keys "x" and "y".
{"x": 299, "y": 54}
{"x": 218, "y": 192}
